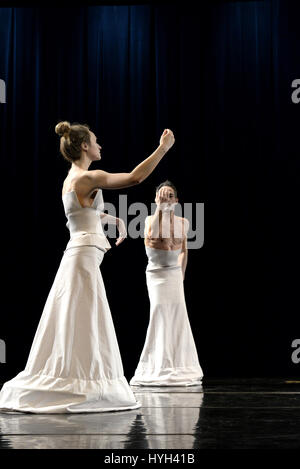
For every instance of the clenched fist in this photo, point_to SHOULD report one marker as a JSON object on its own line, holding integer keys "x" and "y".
{"x": 167, "y": 139}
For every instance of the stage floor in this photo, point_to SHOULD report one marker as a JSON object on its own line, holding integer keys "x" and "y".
{"x": 220, "y": 414}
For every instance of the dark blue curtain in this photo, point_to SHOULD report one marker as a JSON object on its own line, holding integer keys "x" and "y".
{"x": 220, "y": 78}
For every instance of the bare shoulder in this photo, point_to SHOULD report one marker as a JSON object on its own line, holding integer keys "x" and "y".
{"x": 93, "y": 177}
{"x": 80, "y": 182}
{"x": 182, "y": 219}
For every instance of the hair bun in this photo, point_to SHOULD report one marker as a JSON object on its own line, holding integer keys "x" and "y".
{"x": 62, "y": 128}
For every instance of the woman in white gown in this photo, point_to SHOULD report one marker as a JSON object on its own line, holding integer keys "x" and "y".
{"x": 74, "y": 364}
{"x": 169, "y": 356}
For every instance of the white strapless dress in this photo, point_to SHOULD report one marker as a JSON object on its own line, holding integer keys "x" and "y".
{"x": 169, "y": 356}
{"x": 74, "y": 364}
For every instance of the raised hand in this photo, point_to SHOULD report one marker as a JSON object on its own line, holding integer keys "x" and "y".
{"x": 167, "y": 139}
{"x": 162, "y": 200}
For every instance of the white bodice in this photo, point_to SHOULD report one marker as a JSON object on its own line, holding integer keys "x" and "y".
{"x": 84, "y": 223}
{"x": 162, "y": 259}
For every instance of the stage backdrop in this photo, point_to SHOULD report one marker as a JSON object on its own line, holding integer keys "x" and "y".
{"x": 221, "y": 79}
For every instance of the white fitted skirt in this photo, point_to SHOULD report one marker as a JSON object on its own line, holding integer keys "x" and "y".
{"x": 169, "y": 356}
{"x": 74, "y": 364}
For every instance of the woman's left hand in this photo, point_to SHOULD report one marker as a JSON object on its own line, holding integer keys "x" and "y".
{"x": 122, "y": 231}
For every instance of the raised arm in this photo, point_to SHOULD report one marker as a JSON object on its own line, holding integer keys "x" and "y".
{"x": 105, "y": 180}
{"x": 155, "y": 229}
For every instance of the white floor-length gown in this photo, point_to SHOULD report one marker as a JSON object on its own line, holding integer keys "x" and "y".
{"x": 74, "y": 364}
{"x": 169, "y": 356}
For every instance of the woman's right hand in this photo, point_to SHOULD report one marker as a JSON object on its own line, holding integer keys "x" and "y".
{"x": 167, "y": 139}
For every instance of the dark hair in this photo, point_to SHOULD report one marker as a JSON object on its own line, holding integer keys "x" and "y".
{"x": 169, "y": 184}
{"x": 72, "y": 136}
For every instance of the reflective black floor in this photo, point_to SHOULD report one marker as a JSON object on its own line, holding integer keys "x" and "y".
{"x": 221, "y": 414}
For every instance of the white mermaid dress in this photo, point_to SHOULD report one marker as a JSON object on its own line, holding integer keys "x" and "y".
{"x": 169, "y": 356}
{"x": 74, "y": 364}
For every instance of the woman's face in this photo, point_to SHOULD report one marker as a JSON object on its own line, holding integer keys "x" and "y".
{"x": 94, "y": 148}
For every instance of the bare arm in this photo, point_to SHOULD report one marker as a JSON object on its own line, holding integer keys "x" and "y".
{"x": 105, "y": 180}
{"x": 155, "y": 229}
{"x": 118, "y": 222}
{"x": 147, "y": 228}
{"x": 183, "y": 257}
{"x": 106, "y": 218}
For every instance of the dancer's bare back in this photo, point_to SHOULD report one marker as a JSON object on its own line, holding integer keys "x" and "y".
{"x": 77, "y": 181}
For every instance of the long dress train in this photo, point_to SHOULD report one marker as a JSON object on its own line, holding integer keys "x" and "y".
{"x": 74, "y": 364}
{"x": 169, "y": 356}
